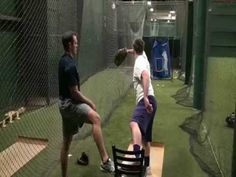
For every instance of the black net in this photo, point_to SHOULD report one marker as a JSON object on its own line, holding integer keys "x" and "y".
{"x": 210, "y": 138}
{"x": 184, "y": 96}
{"x": 30, "y": 49}
{"x": 201, "y": 146}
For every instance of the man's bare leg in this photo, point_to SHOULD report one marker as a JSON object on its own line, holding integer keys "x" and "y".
{"x": 64, "y": 154}
{"x": 97, "y": 134}
{"x": 147, "y": 147}
{"x": 136, "y": 134}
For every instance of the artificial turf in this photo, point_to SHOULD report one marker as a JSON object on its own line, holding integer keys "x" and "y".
{"x": 178, "y": 161}
{"x": 46, "y": 123}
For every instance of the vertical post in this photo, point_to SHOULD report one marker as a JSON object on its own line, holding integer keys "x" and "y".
{"x": 188, "y": 65}
{"x": 199, "y": 52}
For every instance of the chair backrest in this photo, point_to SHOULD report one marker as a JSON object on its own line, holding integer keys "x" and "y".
{"x": 126, "y": 163}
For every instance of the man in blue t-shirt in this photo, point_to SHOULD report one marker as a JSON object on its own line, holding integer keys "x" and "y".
{"x": 75, "y": 108}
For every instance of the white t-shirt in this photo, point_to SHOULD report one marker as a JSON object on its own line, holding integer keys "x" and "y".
{"x": 141, "y": 64}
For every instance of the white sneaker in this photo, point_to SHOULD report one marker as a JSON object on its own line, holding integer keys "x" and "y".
{"x": 124, "y": 176}
{"x": 148, "y": 171}
{"x": 107, "y": 166}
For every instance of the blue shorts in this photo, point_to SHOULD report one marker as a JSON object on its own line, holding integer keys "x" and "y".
{"x": 145, "y": 119}
{"x": 73, "y": 116}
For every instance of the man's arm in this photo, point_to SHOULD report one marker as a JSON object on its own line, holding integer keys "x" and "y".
{"x": 78, "y": 96}
{"x": 145, "y": 80}
{"x": 130, "y": 51}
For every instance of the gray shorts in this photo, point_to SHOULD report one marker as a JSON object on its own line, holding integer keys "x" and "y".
{"x": 73, "y": 116}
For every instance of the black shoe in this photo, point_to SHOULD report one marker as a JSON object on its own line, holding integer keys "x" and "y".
{"x": 83, "y": 160}
{"x": 230, "y": 119}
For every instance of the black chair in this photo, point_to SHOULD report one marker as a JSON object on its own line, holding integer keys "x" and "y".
{"x": 126, "y": 164}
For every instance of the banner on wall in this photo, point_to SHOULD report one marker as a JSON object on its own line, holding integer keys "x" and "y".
{"x": 161, "y": 60}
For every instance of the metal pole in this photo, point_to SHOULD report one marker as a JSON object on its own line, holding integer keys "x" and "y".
{"x": 189, "y": 51}
{"x": 199, "y": 51}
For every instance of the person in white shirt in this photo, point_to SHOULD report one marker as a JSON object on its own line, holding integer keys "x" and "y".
{"x": 146, "y": 105}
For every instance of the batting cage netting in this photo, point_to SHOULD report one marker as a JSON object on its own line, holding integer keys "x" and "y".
{"x": 30, "y": 40}
{"x": 31, "y": 47}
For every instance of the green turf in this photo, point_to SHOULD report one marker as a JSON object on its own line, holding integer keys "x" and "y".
{"x": 105, "y": 89}
{"x": 178, "y": 161}
{"x": 219, "y": 102}
{"x": 42, "y": 123}
{"x": 211, "y": 141}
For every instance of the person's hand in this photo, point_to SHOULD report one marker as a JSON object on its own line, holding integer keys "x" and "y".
{"x": 93, "y": 106}
{"x": 148, "y": 106}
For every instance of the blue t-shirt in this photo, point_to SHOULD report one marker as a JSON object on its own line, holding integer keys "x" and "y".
{"x": 68, "y": 76}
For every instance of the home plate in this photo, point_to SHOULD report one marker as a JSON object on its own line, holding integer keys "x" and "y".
{"x": 156, "y": 158}
{"x": 18, "y": 154}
